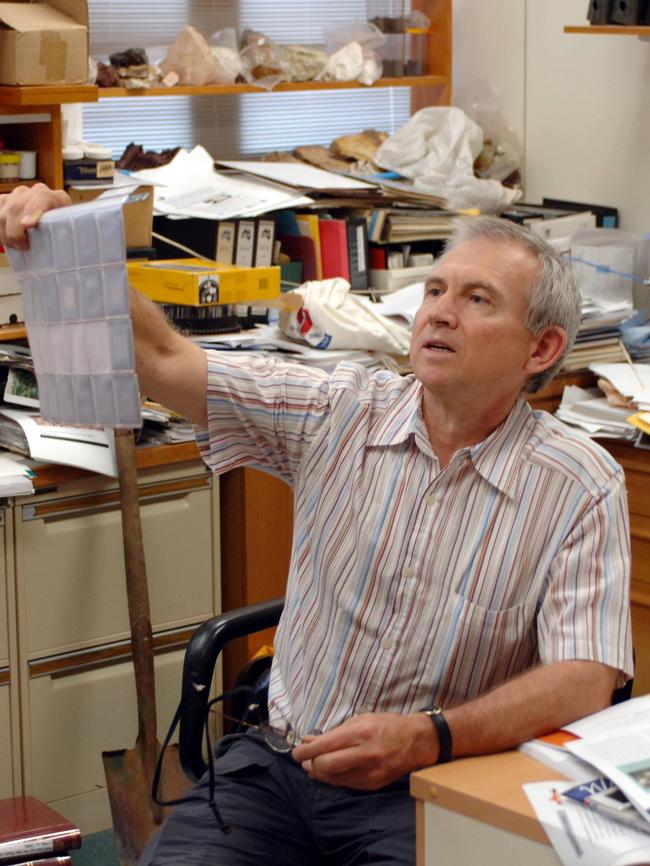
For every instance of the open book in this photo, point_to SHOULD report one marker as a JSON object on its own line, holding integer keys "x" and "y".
{"x": 614, "y": 743}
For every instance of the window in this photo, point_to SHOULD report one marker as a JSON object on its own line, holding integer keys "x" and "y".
{"x": 231, "y": 126}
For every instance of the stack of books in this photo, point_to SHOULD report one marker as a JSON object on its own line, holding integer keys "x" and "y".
{"x": 33, "y": 834}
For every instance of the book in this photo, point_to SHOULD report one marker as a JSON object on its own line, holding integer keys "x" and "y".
{"x": 29, "y": 828}
{"x": 334, "y": 249}
{"x": 603, "y": 796}
{"x": 301, "y": 249}
{"x": 66, "y": 860}
{"x": 357, "y": 235}
{"x": 245, "y": 246}
{"x": 264, "y": 243}
{"x": 309, "y": 228}
{"x": 225, "y": 252}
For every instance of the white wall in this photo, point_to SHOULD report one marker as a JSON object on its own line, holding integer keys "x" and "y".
{"x": 580, "y": 103}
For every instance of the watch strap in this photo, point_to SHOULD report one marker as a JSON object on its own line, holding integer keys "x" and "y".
{"x": 444, "y": 734}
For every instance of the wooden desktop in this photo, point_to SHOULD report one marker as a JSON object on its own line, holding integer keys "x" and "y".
{"x": 475, "y": 811}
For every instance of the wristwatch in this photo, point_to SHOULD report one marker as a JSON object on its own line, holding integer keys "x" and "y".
{"x": 442, "y": 729}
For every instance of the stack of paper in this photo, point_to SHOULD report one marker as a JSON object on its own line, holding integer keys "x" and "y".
{"x": 587, "y": 409}
{"x": 630, "y": 380}
{"x": 15, "y": 476}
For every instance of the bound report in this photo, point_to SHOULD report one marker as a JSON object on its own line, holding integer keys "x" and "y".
{"x": 29, "y": 828}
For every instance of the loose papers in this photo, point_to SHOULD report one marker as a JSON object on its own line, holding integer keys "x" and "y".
{"x": 76, "y": 301}
{"x": 189, "y": 186}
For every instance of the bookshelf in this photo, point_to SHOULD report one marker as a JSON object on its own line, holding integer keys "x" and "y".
{"x": 434, "y": 88}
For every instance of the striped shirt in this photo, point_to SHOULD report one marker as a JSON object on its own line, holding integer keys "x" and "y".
{"x": 411, "y": 583}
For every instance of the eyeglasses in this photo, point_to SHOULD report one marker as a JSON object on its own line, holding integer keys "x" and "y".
{"x": 279, "y": 735}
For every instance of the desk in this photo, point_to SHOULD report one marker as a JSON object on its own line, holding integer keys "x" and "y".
{"x": 475, "y": 811}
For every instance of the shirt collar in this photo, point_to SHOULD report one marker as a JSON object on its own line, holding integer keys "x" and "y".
{"x": 496, "y": 458}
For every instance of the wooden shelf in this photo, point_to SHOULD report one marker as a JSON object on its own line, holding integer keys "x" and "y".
{"x": 610, "y": 30}
{"x": 11, "y": 333}
{"x": 8, "y": 186}
{"x": 287, "y": 87}
{"x": 48, "y": 95}
{"x": 146, "y": 457}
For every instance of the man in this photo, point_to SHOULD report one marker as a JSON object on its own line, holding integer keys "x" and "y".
{"x": 451, "y": 549}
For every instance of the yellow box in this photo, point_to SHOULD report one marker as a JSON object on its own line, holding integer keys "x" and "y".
{"x": 196, "y": 282}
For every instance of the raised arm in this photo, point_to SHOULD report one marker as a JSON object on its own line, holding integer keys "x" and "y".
{"x": 171, "y": 369}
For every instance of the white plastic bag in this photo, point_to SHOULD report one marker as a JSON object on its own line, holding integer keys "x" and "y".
{"x": 352, "y": 51}
{"x": 502, "y": 151}
{"x": 437, "y": 148}
{"x": 332, "y": 318}
{"x": 228, "y": 63}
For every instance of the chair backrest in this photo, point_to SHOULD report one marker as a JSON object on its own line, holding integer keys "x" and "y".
{"x": 198, "y": 670}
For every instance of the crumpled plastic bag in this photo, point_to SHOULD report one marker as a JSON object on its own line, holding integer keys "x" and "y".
{"x": 228, "y": 63}
{"x": 502, "y": 155}
{"x": 332, "y": 318}
{"x": 264, "y": 62}
{"x": 352, "y": 51}
{"x": 437, "y": 148}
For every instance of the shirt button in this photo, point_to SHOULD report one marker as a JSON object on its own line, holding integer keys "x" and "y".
{"x": 431, "y": 498}
{"x": 387, "y": 643}
{"x": 408, "y": 573}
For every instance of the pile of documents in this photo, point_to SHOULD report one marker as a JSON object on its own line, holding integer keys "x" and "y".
{"x": 602, "y": 816}
{"x": 589, "y": 409}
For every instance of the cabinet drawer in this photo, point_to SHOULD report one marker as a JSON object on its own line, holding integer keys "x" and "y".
{"x": 4, "y": 626}
{"x": 6, "y": 768}
{"x": 75, "y": 716}
{"x": 70, "y": 560}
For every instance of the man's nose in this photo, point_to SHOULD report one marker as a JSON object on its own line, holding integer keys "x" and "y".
{"x": 444, "y": 310}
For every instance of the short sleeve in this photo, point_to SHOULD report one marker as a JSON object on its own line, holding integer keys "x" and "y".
{"x": 585, "y": 613}
{"x": 261, "y": 412}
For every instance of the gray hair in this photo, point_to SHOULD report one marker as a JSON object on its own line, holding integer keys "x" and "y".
{"x": 553, "y": 296}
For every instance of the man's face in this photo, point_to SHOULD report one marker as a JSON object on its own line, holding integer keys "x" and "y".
{"x": 468, "y": 334}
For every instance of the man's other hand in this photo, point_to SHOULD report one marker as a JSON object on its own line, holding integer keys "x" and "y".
{"x": 22, "y": 208}
{"x": 369, "y": 751}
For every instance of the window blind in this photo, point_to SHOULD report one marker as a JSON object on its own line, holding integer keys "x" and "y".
{"x": 231, "y": 126}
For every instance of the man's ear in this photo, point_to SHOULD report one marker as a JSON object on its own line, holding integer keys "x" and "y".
{"x": 547, "y": 348}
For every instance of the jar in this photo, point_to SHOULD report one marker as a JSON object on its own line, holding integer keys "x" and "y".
{"x": 388, "y": 16}
{"x": 417, "y": 43}
{"x": 9, "y": 165}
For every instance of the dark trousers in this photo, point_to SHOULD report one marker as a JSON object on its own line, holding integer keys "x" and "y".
{"x": 280, "y": 817}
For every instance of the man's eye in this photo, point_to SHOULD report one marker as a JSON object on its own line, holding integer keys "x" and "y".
{"x": 434, "y": 291}
{"x": 478, "y": 299}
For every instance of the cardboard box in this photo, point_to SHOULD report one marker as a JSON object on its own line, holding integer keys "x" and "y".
{"x": 194, "y": 282}
{"x": 138, "y": 215}
{"x": 44, "y": 43}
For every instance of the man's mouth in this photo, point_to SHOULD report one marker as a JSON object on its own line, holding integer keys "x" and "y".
{"x": 438, "y": 346}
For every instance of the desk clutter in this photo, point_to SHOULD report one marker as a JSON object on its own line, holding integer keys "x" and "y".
{"x": 601, "y": 816}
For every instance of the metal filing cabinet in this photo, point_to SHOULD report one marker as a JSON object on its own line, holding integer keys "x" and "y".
{"x": 76, "y": 674}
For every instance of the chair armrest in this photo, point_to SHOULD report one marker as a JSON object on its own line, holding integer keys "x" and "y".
{"x": 198, "y": 669}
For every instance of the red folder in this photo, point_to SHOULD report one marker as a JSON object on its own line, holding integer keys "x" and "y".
{"x": 334, "y": 249}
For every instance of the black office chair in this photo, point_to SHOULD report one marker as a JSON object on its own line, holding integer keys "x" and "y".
{"x": 198, "y": 670}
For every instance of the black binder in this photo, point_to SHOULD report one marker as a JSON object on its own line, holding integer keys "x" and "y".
{"x": 628, "y": 11}
{"x": 600, "y": 11}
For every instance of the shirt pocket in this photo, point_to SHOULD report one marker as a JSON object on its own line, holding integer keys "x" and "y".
{"x": 486, "y": 646}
